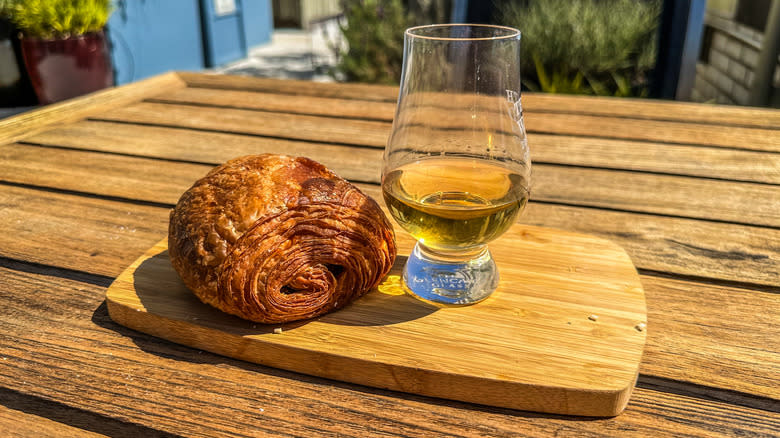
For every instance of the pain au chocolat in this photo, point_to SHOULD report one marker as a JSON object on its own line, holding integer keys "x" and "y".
{"x": 272, "y": 238}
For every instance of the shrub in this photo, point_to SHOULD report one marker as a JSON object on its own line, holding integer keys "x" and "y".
{"x": 374, "y": 36}
{"x": 5, "y": 6}
{"x": 58, "y": 18}
{"x": 587, "y": 46}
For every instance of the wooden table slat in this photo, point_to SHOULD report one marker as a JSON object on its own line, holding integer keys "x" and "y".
{"x": 292, "y": 126}
{"x": 737, "y": 137}
{"x": 375, "y": 93}
{"x": 708, "y": 334}
{"x": 76, "y": 232}
{"x": 283, "y": 103}
{"x": 673, "y": 159}
{"x": 25, "y": 124}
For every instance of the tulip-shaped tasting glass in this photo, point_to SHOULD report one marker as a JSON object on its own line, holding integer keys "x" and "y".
{"x": 456, "y": 167}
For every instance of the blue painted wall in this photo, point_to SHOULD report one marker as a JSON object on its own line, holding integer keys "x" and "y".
{"x": 149, "y": 37}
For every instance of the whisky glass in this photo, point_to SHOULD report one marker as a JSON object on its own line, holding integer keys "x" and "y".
{"x": 456, "y": 168}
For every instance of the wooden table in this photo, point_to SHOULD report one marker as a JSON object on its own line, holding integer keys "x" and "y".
{"x": 692, "y": 192}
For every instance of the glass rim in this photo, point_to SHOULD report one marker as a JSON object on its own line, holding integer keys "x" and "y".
{"x": 513, "y": 33}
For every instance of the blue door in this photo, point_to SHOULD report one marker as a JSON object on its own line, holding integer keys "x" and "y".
{"x": 149, "y": 37}
{"x": 258, "y": 21}
{"x": 230, "y": 27}
{"x": 223, "y": 31}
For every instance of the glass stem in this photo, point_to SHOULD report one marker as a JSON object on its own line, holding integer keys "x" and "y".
{"x": 452, "y": 256}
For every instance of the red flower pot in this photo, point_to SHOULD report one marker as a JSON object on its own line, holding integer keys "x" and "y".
{"x": 63, "y": 68}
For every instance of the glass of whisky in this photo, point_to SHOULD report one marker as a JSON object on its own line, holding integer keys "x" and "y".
{"x": 456, "y": 168}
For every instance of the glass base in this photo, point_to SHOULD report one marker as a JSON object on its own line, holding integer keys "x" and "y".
{"x": 445, "y": 279}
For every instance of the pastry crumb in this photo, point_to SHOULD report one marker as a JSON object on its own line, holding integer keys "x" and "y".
{"x": 277, "y": 330}
{"x": 640, "y": 327}
{"x": 593, "y": 317}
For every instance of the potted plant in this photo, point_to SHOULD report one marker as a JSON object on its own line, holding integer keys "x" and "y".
{"x": 15, "y": 87}
{"x": 64, "y": 46}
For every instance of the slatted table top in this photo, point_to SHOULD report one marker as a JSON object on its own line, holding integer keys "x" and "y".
{"x": 692, "y": 192}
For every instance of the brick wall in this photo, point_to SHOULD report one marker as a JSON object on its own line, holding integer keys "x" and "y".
{"x": 730, "y": 51}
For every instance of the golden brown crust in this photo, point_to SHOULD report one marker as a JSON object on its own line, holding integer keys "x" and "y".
{"x": 272, "y": 238}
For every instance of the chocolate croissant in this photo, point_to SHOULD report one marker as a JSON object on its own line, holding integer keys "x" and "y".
{"x": 272, "y": 238}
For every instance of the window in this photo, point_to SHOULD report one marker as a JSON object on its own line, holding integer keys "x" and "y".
{"x": 753, "y": 13}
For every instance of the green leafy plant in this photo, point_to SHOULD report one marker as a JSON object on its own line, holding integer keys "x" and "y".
{"x": 5, "y": 7}
{"x": 51, "y": 19}
{"x": 374, "y": 34}
{"x": 557, "y": 82}
{"x": 604, "y": 47}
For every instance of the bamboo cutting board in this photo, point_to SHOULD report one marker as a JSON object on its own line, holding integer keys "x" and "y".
{"x": 564, "y": 332}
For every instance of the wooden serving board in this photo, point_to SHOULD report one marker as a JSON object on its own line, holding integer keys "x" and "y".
{"x": 533, "y": 345}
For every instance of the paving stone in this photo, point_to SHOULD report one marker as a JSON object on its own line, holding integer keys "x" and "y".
{"x": 293, "y": 54}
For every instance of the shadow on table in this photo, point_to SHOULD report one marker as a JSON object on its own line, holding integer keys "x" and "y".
{"x": 74, "y": 417}
{"x": 162, "y": 293}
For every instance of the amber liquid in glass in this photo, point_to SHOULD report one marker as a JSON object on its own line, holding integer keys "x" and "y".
{"x": 453, "y": 204}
